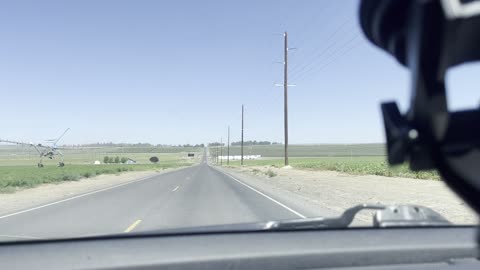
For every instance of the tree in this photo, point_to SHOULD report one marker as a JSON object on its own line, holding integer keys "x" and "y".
{"x": 123, "y": 159}
{"x": 154, "y": 159}
{"x": 216, "y": 144}
{"x": 111, "y": 159}
{"x": 106, "y": 159}
{"x": 117, "y": 159}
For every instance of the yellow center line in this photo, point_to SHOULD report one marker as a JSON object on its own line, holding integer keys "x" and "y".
{"x": 135, "y": 224}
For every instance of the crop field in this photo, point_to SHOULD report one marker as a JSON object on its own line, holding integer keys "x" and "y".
{"x": 12, "y": 155}
{"x": 309, "y": 150}
{"x": 18, "y": 165}
{"x": 359, "y": 159}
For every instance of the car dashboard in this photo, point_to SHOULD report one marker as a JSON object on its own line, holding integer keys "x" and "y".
{"x": 360, "y": 248}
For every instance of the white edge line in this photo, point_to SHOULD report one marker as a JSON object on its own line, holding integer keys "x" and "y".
{"x": 263, "y": 194}
{"x": 19, "y": 236}
{"x": 78, "y": 196}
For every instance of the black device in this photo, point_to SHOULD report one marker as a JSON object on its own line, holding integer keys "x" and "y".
{"x": 429, "y": 37}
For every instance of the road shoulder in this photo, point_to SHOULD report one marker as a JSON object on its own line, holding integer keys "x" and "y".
{"x": 302, "y": 204}
{"x": 48, "y": 193}
{"x": 332, "y": 192}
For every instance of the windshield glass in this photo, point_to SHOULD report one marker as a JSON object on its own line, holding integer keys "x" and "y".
{"x": 134, "y": 116}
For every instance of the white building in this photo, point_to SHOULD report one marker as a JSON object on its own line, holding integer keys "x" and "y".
{"x": 245, "y": 157}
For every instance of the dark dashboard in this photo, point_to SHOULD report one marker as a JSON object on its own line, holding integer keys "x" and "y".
{"x": 392, "y": 248}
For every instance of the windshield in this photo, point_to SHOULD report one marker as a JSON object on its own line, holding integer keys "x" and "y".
{"x": 124, "y": 116}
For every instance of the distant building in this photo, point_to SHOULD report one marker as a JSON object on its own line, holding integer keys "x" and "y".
{"x": 240, "y": 157}
{"x": 130, "y": 161}
{"x": 97, "y": 162}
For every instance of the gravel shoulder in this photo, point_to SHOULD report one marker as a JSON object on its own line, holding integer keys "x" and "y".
{"x": 328, "y": 193}
{"x": 47, "y": 193}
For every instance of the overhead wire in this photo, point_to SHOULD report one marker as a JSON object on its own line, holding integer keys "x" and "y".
{"x": 333, "y": 57}
{"x": 321, "y": 50}
{"x": 300, "y": 37}
{"x": 327, "y": 55}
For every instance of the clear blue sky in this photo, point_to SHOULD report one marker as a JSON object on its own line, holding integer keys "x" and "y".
{"x": 177, "y": 72}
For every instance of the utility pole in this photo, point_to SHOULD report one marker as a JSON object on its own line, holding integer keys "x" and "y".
{"x": 285, "y": 94}
{"x": 228, "y": 146}
{"x": 221, "y": 151}
{"x": 214, "y": 150}
{"x": 241, "y": 160}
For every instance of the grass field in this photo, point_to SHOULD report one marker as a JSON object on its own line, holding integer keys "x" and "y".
{"x": 310, "y": 150}
{"x": 18, "y": 165}
{"x": 358, "y": 159}
{"x": 24, "y": 155}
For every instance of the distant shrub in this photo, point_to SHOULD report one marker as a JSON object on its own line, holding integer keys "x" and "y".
{"x": 270, "y": 173}
{"x": 70, "y": 177}
{"x": 111, "y": 160}
{"x": 122, "y": 169}
{"x": 255, "y": 171}
{"x": 106, "y": 159}
{"x": 154, "y": 159}
{"x": 88, "y": 174}
{"x": 117, "y": 159}
{"x": 123, "y": 159}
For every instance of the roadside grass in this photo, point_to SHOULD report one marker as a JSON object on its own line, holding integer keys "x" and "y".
{"x": 13, "y": 178}
{"x": 270, "y": 173}
{"x": 362, "y": 165}
{"x": 256, "y": 171}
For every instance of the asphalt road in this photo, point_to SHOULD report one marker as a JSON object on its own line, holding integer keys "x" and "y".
{"x": 195, "y": 196}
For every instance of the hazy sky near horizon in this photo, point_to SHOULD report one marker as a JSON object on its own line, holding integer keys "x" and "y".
{"x": 177, "y": 72}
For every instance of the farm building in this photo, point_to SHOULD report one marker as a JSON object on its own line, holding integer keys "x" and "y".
{"x": 130, "y": 161}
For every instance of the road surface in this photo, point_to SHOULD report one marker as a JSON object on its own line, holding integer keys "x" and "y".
{"x": 194, "y": 196}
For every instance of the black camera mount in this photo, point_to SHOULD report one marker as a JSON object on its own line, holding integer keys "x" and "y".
{"x": 429, "y": 37}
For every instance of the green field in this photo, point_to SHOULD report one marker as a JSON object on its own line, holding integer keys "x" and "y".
{"x": 357, "y": 159}
{"x": 25, "y": 155}
{"x": 18, "y": 165}
{"x": 309, "y": 150}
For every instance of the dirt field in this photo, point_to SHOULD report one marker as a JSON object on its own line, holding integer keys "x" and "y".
{"x": 336, "y": 191}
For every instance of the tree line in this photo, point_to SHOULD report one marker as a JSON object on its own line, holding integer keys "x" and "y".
{"x": 116, "y": 159}
{"x": 255, "y": 143}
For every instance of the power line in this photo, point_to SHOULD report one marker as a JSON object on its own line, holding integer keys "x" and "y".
{"x": 302, "y": 34}
{"x": 327, "y": 52}
{"x": 325, "y": 63}
{"x": 318, "y": 61}
{"x": 317, "y": 52}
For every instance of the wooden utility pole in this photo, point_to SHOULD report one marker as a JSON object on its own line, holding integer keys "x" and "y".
{"x": 285, "y": 94}
{"x": 228, "y": 146}
{"x": 221, "y": 151}
{"x": 241, "y": 159}
{"x": 218, "y": 152}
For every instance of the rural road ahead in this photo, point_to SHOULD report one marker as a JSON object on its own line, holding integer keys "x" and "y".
{"x": 194, "y": 196}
